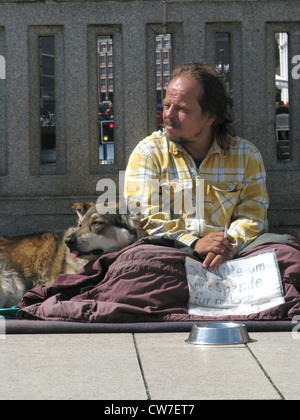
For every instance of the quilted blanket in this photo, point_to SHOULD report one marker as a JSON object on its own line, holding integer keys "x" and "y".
{"x": 146, "y": 281}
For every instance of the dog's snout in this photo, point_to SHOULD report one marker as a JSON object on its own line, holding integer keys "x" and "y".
{"x": 71, "y": 241}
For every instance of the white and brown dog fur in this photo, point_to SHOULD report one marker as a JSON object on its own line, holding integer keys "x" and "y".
{"x": 37, "y": 259}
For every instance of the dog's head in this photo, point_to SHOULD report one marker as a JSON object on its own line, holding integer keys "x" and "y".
{"x": 98, "y": 234}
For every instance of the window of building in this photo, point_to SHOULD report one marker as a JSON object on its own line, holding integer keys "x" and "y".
{"x": 47, "y": 100}
{"x": 163, "y": 72}
{"x": 105, "y": 102}
{"x": 223, "y": 55}
{"x": 282, "y": 95}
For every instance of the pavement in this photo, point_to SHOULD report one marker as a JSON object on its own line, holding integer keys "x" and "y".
{"x": 148, "y": 367}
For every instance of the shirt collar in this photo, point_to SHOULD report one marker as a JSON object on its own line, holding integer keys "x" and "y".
{"x": 215, "y": 148}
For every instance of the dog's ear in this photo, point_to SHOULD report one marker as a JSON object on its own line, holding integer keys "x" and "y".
{"x": 82, "y": 208}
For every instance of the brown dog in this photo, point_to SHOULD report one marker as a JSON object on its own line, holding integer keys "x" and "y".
{"x": 37, "y": 259}
{"x": 32, "y": 260}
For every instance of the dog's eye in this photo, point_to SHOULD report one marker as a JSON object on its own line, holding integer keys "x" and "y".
{"x": 97, "y": 223}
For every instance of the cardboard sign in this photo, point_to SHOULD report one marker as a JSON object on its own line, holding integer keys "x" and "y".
{"x": 237, "y": 287}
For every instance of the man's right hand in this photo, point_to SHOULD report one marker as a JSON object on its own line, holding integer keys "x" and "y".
{"x": 215, "y": 248}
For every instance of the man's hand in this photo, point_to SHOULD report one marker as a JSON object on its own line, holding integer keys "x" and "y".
{"x": 215, "y": 248}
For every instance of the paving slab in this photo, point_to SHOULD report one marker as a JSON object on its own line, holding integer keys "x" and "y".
{"x": 175, "y": 370}
{"x": 106, "y": 367}
{"x": 279, "y": 355}
{"x": 70, "y": 366}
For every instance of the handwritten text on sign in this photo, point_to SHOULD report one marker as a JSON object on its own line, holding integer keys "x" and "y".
{"x": 237, "y": 287}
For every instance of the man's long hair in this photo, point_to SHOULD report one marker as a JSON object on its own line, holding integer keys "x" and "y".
{"x": 214, "y": 99}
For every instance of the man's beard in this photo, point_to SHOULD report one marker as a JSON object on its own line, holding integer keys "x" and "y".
{"x": 178, "y": 139}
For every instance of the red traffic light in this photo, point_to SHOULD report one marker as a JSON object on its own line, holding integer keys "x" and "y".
{"x": 107, "y": 132}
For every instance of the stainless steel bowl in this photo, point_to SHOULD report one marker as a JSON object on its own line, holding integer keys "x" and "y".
{"x": 218, "y": 333}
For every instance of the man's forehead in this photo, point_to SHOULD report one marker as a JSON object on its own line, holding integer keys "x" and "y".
{"x": 184, "y": 85}
{"x": 183, "y": 89}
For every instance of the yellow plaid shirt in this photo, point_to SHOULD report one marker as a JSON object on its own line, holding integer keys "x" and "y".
{"x": 177, "y": 199}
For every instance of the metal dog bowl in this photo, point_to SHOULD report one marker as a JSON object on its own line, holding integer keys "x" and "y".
{"x": 218, "y": 333}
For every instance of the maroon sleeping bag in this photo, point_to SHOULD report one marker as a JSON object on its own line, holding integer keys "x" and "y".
{"x": 146, "y": 281}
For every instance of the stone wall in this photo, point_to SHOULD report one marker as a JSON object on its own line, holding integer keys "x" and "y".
{"x": 39, "y": 197}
